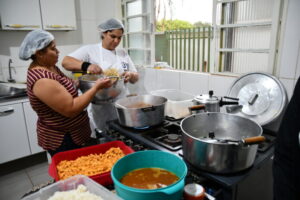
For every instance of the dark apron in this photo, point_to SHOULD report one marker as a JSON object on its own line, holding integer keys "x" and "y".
{"x": 286, "y": 166}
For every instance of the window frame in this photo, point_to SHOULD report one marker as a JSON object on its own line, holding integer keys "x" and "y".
{"x": 272, "y": 51}
{"x": 151, "y": 48}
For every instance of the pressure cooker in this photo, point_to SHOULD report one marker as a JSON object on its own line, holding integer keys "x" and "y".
{"x": 211, "y": 103}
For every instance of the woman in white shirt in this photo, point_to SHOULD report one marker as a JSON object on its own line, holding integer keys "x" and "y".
{"x": 96, "y": 58}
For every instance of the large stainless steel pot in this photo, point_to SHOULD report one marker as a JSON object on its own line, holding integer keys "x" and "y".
{"x": 214, "y": 141}
{"x": 141, "y": 111}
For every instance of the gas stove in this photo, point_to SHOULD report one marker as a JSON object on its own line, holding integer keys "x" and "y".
{"x": 167, "y": 137}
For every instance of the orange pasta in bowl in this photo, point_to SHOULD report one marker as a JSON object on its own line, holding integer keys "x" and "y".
{"x": 89, "y": 165}
{"x": 94, "y": 161}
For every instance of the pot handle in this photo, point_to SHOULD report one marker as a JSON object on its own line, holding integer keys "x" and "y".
{"x": 131, "y": 95}
{"x": 197, "y": 107}
{"x": 147, "y": 109}
{"x": 254, "y": 140}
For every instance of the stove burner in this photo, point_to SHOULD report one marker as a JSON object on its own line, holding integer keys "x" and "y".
{"x": 172, "y": 138}
{"x": 141, "y": 128}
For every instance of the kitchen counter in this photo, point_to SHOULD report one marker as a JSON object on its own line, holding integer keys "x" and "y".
{"x": 10, "y": 91}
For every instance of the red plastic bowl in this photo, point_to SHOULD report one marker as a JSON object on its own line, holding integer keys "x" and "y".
{"x": 103, "y": 179}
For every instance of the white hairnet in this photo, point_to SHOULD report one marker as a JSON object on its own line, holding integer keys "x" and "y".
{"x": 110, "y": 24}
{"x": 34, "y": 41}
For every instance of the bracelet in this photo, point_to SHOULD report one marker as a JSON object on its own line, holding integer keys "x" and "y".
{"x": 84, "y": 66}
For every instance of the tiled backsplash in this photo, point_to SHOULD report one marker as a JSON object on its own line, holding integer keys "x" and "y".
{"x": 195, "y": 83}
{"x": 189, "y": 82}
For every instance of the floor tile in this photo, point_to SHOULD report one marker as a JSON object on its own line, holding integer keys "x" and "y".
{"x": 13, "y": 186}
{"x": 13, "y": 177}
{"x": 38, "y": 169}
{"x": 40, "y": 179}
{"x": 38, "y": 174}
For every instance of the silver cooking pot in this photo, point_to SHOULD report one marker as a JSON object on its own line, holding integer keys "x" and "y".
{"x": 87, "y": 81}
{"x": 220, "y": 142}
{"x": 141, "y": 111}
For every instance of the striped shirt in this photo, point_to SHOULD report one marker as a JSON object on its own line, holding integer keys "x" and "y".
{"x": 52, "y": 126}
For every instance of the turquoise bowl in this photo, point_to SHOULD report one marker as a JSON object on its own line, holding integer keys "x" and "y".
{"x": 146, "y": 159}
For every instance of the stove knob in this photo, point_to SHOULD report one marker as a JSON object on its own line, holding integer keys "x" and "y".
{"x": 129, "y": 142}
{"x": 138, "y": 147}
{"x": 122, "y": 137}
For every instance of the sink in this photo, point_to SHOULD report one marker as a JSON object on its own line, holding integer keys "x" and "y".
{"x": 9, "y": 91}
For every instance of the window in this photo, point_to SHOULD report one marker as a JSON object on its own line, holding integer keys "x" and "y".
{"x": 245, "y": 35}
{"x": 139, "y": 39}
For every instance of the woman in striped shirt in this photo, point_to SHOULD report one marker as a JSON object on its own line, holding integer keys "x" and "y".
{"x": 63, "y": 123}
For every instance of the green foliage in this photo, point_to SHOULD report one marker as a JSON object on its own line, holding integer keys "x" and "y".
{"x": 201, "y": 24}
{"x": 166, "y": 25}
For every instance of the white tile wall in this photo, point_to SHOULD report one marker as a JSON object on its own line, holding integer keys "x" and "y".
{"x": 220, "y": 84}
{"x": 194, "y": 83}
{"x": 87, "y": 10}
{"x": 150, "y": 79}
{"x": 289, "y": 49}
{"x": 17, "y": 73}
{"x": 298, "y": 62}
{"x": 168, "y": 79}
{"x": 90, "y": 33}
{"x": 289, "y": 85}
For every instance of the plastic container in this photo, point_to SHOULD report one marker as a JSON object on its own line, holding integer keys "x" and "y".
{"x": 178, "y": 102}
{"x": 71, "y": 184}
{"x": 145, "y": 159}
{"x": 103, "y": 179}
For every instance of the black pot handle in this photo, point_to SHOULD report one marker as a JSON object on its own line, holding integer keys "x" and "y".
{"x": 232, "y": 98}
{"x": 147, "y": 109}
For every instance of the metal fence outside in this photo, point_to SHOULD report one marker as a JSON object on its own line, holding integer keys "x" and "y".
{"x": 189, "y": 49}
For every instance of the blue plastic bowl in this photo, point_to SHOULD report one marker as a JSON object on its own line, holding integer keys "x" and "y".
{"x": 146, "y": 159}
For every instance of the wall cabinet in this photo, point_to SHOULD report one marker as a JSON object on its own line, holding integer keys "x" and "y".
{"x": 37, "y": 14}
{"x": 20, "y": 14}
{"x": 14, "y": 141}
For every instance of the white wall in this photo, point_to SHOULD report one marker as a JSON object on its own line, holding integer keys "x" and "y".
{"x": 289, "y": 49}
{"x": 89, "y": 14}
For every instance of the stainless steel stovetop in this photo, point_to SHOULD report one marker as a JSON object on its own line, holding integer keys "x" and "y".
{"x": 167, "y": 137}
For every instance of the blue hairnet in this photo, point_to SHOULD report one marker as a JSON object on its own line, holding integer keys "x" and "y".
{"x": 110, "y": 24}
{"x": 34, "y": 41}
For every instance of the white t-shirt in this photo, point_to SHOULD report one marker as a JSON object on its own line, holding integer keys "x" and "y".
{"x": 96, "y": 54}
{"x": 119, "y": 59}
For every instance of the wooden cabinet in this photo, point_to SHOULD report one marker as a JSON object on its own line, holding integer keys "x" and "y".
{"x": 37, "y": 14}
{"x": 30, "y": 120}
{"x": 13, "y": 135}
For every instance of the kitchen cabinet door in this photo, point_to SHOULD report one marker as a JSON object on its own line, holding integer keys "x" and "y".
{"x": 20, "y": 14}
{"x": 58, "y": 15}
{"x": 30, "y": 120}
{"x": 13, "y": 135}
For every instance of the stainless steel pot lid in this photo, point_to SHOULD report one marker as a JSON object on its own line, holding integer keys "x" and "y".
{"x": 262, "y": 96}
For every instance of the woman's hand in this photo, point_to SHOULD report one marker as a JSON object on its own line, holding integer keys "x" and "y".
{"x": 103, "y": 83}
{"x": 94, "y": 69}
{"x": 132, "y": 77}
